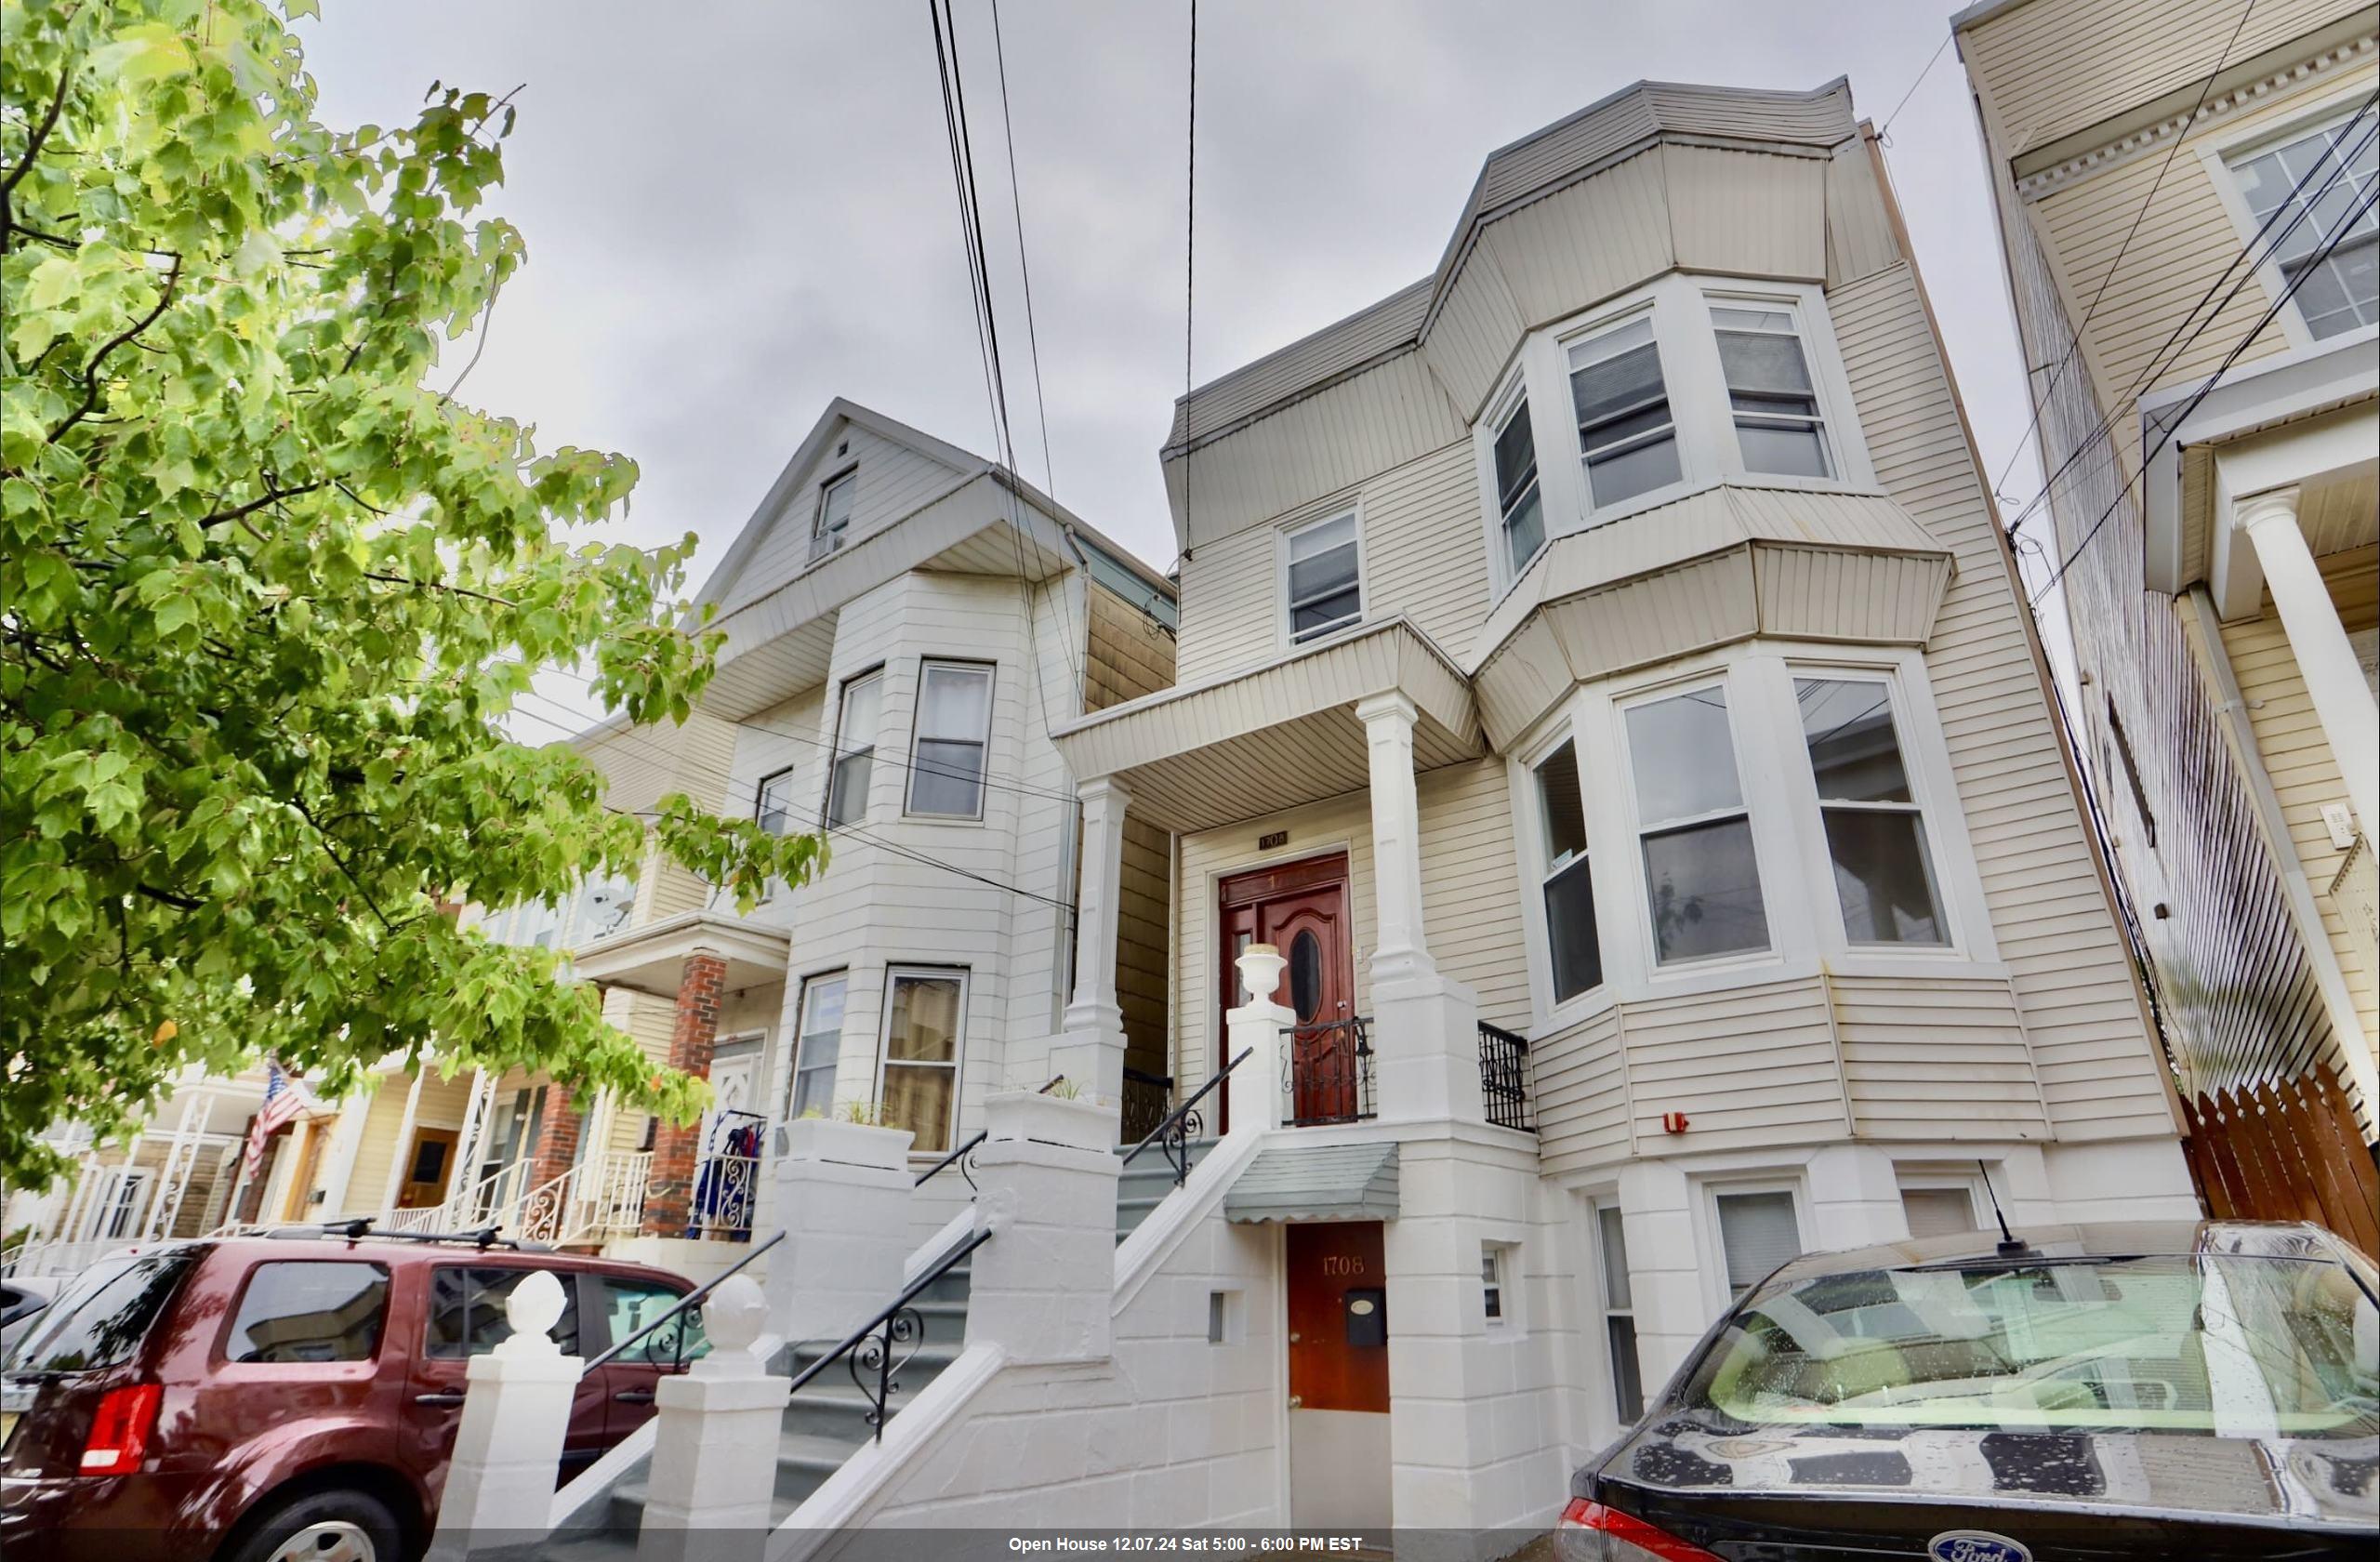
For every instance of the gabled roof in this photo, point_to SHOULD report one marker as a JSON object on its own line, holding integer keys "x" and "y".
{"x": 1526, "y": 170}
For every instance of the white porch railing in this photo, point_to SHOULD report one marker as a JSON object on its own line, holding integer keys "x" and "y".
{"x": 603, "y": 1196}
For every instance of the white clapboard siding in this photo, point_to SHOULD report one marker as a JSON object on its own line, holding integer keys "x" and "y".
{"x": 2097, "y": 1063}
{"x": 1599, "y": 236}
{"x": 893, "y": 480}
{"x": 1859, "y": 237}
{"x": 1230, "y": 604}
{"x": 1582, "y": 1116}
{"x": 1471, "y": 912}
{"x": 1935, "y": 1058}
{"x": 1751, "y": 1066}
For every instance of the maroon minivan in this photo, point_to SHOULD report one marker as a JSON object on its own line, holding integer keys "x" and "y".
{"x": 268, "y": 1398}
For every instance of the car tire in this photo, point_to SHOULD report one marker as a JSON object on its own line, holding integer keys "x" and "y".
{"x": 342, "y": 1525}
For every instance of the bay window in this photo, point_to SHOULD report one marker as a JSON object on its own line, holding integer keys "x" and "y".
{"x": 856, "y": 718}
{"x": 1518, "y": 501}
{"x": 1701, "y": 881}
{"x": 1325, "y": 588}
{"x": 946, "y": 761}
{"x": 1769, "y": 390}
{"x": 1568, "y": 886}
{"x": 1627, "y": 435}
{"x": 1875, "y": 833}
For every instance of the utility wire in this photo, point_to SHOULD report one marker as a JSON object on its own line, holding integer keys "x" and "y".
{"x": 1885, "y": 129}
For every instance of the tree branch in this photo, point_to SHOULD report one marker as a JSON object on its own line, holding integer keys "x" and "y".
{"x": 91, "y": 371}
{"x": 41, "y": 133}
{"x": 272, "y": 496}
{"x": 438, "y": 586}
{"x": 167, "y": 897}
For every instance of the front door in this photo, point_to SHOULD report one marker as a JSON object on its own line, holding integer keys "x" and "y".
{"x": 1339, "y": 1448}
{"x": 428, "y": 1166}
{"x": 1300, "y": 909}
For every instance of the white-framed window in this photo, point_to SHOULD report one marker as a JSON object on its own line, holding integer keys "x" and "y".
{"x": 948, "y": 755}
{"x": 1757, "y": 1227}
{"x": 1694, "y": 831}
{"x": 2299, "y": 191}
{"x": 1770, "y": 392}
{"x": 818, "y": 1045}
{"x": 1885, "y": 882}
{"x": 1573, "y": 945}
{"x": 1322, "y": 577}
{"x": 857, "y": 716}
{"x": 1497, "y": 1270}
{"x": 1943, "y": 1208}
{"x": 773, "y": 801}
{"x": 1627, "y": 431}
{"x": 925, "y": 1009}
{"x": 1619, "y": 1314}
{"x": 830, "y": 527}
{"x": 1520, "y": 497}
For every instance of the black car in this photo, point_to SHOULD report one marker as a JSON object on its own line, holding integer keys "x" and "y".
{"x": 2151, "y": 1391}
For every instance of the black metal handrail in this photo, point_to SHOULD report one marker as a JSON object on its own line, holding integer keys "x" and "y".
{"x": 692, "y": 1299}
{"x": 964, "y": 1155}
{"x": 1503, "y": 1077}
{"x": 1148, "y": 1098}
{"x": 1332, "y": 1084}
{"x": 900, "y": 1324}
{"x": 1175, "y": 1131}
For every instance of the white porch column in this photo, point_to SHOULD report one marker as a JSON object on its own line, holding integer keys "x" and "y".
{"x": 1091, "y": 1051}
{"x": 1400, "y": 949}
{"x": 2333, "y": 679}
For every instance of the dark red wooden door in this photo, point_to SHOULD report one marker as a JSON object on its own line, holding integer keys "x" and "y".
{"x": 1338, "y": 1317}
{"x": 1300, "y": 909}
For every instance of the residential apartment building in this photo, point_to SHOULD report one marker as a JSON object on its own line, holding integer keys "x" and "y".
{"x": 2194, "y": 257}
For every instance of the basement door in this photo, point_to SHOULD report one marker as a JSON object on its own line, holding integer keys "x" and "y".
{"x": 1338, "y": 1451}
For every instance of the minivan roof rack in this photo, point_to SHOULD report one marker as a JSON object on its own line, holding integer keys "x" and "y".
{"x": 361, "y": 1229}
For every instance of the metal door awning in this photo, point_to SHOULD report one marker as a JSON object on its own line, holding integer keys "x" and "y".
{"x": 1315, "y": 1183}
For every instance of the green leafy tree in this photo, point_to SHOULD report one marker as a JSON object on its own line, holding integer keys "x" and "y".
{"x": 268, "y": 593}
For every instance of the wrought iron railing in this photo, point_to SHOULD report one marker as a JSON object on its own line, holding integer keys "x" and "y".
{"x": 1185, "y": 1123}
{"x": 681, "y": 1317}
{"x": 1504, "y": 1077}
{"x": 875, "y": 1347}
{"x": 1148, "y": 1100}
{"x": 963, "y": 1158}
{"x": 1326, "y": 1073}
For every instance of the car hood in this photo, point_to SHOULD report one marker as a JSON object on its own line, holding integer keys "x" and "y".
{"x": 2293, "y": 1481}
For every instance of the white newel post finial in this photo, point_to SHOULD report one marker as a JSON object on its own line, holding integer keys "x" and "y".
{"x": 1257, "y": 1027}
{"x": 714, "y": 1449}
{"x": 516, "y": 1408}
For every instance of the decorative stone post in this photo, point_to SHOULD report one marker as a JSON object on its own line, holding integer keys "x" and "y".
{"x": 714, "y": 1449}
{"x": 675, "y": 1146}
{"x": 1044, "y": 1286}
{"x": 1091, "y": 1053}
{"x": 842, "y": 1194}
{"x": 2326, "y": 657}
{"x": 1256, "y": 1027}
{"x": 499, "y": 1482}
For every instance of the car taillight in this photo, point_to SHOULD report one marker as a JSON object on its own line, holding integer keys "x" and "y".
{"x": 120, "y": 1429}
{"x": 1624, "y": 1537}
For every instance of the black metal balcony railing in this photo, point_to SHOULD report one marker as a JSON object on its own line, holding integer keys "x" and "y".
{"x": 1148, "y": 1098}
{"x": 1326, "y": 1073}
{"x": 1504, "y": 1077}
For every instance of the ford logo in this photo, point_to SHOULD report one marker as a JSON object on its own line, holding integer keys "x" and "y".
{"x": 1976, "y": 1545}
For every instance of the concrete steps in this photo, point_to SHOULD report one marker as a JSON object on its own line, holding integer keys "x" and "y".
{"x": 1145, "y": 1183}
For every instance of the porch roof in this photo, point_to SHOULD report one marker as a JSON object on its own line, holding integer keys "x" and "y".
{"x": 652, "y": 959}
{"x": 1277, "y": 735}
{"x": 1316, "y": 1183}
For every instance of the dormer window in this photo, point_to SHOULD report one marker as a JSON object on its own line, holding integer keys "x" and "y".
{"x": 834, "y": 520}
{"x": 1627, "y": 437}
{"x": 1518, "y": 498}
{"x": 1324, "y": 586}
{"x": 1775, "y": 405}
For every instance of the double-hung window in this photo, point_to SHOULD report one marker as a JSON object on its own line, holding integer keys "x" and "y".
{"x": 1769, "y": 391}
{"x": 1571, "y": 935}
{"x": 818, "y": 1047}
{"x": 1619, "y": 1314}
{"x": 773, "y": 801}
{"x": 856, "y": 718}
{"x": 1325, "y": 589}
{"x": 1757, "y": 1232}
{"x": 922, "y": 1014}
{"x": 832, "y": 525}
{"x": 1875, "y": 834}
{"x": 2300, "y": 194}
{"x": 1701, "y": 875}
{"x": 946, "y": 762}
{"x": 1518, "y": 498}
{"x": 1627, "y": 435}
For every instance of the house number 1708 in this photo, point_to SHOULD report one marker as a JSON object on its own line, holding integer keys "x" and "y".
{"x": 1342, "y": 1263}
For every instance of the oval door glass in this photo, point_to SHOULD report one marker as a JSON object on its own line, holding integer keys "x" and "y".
{"x": 1305, "y": 975}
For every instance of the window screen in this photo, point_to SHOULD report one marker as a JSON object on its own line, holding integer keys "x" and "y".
{"x": 1757, "y": 1232}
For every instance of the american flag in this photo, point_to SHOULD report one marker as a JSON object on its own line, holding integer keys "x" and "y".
{"x": 283, "y": 1098}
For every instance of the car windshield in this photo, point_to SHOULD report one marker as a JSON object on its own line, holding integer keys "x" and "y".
{"x": 2226, "y": 1346}
{"x": 100, "y": 1320}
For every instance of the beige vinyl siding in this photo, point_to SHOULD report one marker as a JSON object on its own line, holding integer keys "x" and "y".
{"x": 2073, "y": 982}
{"x": 1478, "y": 328}
{"x": 1590, "y": 240}
{"x": 2057, "y": 66}
{"x": 2297, "y": 756}
{"x": 1746, "y": 214}
{"x": 893, "y": 480}
{"x": 376, "y": 1150}
{"x": 1424, "y": 550}
{"x": 1937, "y": 1059}
{"x": 1751, "y": 1066}
{"x": 1231, "y": 606}
{"x": 1859, "y": 237}
{"x": 1141, "y": 945}
{"x": 1583, "y": 1115}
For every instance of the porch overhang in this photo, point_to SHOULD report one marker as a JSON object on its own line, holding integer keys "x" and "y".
{"x": 1315, "y": 1183}
{"x": 651, "y": 960}
{"x": 1282, "y": 734}
{"x": 1724, "y": 564}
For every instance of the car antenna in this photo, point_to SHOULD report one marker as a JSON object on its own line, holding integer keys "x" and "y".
{"x": 2009, "y": 1246}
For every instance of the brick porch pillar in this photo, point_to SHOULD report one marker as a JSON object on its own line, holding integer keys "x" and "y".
{"x": 558, "y": 1132}
{"x": 672, "y": 1189}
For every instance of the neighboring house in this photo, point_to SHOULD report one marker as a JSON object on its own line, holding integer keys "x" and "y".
{"x": 2199, "y": 296}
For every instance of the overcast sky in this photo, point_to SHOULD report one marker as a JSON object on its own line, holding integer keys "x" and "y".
{"x": 736, "y": 212}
